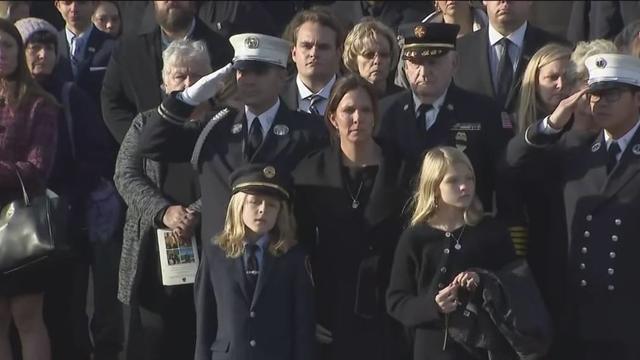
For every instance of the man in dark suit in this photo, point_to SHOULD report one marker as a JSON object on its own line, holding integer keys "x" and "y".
{"x": 317, "y": 49}
{"x": 132, "y": 82}
{"x": 484, "y": 70}
{"x": 601, "y": 184}
{"x": 266, "y": 131}
{"x": 84, "y": 50}
{"x": 83, "y": 55}
{"x": 437, "y": 112}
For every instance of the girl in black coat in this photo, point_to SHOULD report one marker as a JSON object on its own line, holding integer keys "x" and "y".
{"x": 349, "y": 200}
{"x": 447, "y": 236}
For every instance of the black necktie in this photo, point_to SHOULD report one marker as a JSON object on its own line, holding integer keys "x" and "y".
{"x": 255, "y": 137}
{"x": 253, "y": 269}
{"x": 505, "y": 72}
{"x": 612, "y": 153}
{"x": 421, "y": 118}
{"x": 313, "y": 107}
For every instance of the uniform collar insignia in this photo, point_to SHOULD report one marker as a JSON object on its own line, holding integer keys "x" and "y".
{"x": 595, "y": 147}
{"x": 236, "y": 129}
{"x": 636, "y": 149}
{"x": 281, "y": 130}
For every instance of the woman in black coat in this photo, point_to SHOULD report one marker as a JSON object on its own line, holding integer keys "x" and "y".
{"x": 448, "y": 236}
{"x": 349, "y": 201}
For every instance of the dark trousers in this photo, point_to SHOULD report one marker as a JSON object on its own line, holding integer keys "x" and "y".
{"x": 66, "y": 304}
{"x": 164, "y": 330}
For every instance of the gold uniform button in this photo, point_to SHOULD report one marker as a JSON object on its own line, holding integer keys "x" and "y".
{"x": 589, "y": 217}
{"x": 583, "y": 283}
{"x": 610, "y": 271}
{"x": 611, "y": 287}
{"x": 446, "y": 251}
{"x": 583, "y": 250}
{"x": 443, "y": 269}
{"x": 614, "y": 238}
{"x": 252, "y": 314}
{"x": 587, "y": 234}
{"x": 582, "y": 266}
{"x": 612, "y": 255}
{"x": 252, "y": 343}
{"x": 617, "y": 222}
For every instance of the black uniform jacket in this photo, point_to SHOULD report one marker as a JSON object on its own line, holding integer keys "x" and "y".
{"x": 220, "y": 149}
{"x": 133, "y": 78}
{"x": 474, "y": 68}
{"x": 426, "y": 261}
{"x": 92, "y": 68}
{"x": 276, "y": 323}
{"x": 602, "y": 224}
{"x": 467, "y": 121}
{"x": 352, "y": 250}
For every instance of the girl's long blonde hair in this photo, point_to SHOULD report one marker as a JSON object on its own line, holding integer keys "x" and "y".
{"x": 530, "y": 106}
{"x": 434, "y": 167}
{"x": 233, "y": 236}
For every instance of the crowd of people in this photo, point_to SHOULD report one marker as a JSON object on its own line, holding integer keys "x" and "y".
{"x": 361, "y": 179}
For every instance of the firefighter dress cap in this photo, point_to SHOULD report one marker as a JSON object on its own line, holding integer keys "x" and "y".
{"x": 612, "y": 70}
{"x": 255, "y": 51}
{"x": 419, "y": 40}
{"x": 261, "y": 179}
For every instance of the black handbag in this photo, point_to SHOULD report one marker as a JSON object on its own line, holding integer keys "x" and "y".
{"x": 30, "y": 228}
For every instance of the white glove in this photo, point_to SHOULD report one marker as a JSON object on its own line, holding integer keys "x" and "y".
{"x": 206, "y": 87}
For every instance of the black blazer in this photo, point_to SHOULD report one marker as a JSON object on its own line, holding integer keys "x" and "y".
{"x": 92, "y": 69}
{"x": 602, "y": 224}
{"x": 474, "y": 69}
{"x": 289, "y": 93}
{"x": 352, "y": 252}
{"x": 133, "y": 78}
{"x": 276, "y": 323}
{"x": 466, "y": 120}
{"x": 426, "y": 261}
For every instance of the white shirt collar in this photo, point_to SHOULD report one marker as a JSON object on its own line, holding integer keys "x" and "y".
{"x": 266, "y": 118}
{"x": 304, "y": 92}
{"x": 80, "y": 36}
{"x": 516, "y": 37}
{"x": 623, "y": 141}
{"x": 436, "y": 104}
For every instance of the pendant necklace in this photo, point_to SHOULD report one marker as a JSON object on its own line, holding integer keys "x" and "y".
{"x": 355, "y": 203}
{"x": 457, "y": 246}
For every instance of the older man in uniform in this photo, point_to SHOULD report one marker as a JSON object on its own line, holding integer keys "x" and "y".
{"x": 437, "y": 112}
{"x": 601, "y": 184}
{"x": 265, "y": 131}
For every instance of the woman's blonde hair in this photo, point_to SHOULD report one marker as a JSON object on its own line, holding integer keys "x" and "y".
{"x": 530, "y": 106}
{"x": 362, "y": 37}
{"x": 434, "y": 167}
{"x": 233, "y": 236}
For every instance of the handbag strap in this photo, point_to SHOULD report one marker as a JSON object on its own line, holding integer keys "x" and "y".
{"x": 25, "y": 196}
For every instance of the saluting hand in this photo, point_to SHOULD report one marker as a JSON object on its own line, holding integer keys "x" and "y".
{"x": 562, "y": 114}
{"x": 205, "y": 88}
{"x": 447, "y": 298}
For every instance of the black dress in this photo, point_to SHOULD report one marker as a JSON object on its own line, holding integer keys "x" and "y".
{"x": 350, "y": 220}
{"x": 426, "y": 260}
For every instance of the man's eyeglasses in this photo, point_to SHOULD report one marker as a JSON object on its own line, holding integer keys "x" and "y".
{"x": 609, "y": 95}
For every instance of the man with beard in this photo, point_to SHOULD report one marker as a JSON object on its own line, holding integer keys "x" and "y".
{"x": 435, "y": 111}
{"x": 317, "y": 49}
{"x": 132, "y": 82}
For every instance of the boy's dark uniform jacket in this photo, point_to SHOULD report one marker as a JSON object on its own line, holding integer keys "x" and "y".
{"x": 507, "y": 319}
{"x": 602, "y": 224}
{"x": 276, "y": 323}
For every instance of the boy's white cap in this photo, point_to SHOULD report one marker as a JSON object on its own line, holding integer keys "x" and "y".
{"x": 254, "y": 50}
